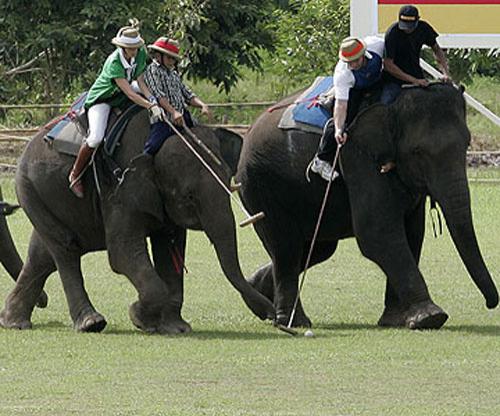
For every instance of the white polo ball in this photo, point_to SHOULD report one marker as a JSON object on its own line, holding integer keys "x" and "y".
{"x": 309, "y": 333}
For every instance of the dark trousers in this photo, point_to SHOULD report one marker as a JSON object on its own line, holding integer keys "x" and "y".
{"x": 161, "y": 131}
{"x": 390, "y": 92}
{"x": 327, "y": 144}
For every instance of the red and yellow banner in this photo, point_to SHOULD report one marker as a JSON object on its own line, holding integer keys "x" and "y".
{"x": 447, "y": 16}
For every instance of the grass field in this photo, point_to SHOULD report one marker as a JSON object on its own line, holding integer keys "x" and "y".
{"x": 234, "y": 364}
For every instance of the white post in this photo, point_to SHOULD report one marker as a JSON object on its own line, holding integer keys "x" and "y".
{"x": 364, "y": 19}
{"x": 470, "y": 100}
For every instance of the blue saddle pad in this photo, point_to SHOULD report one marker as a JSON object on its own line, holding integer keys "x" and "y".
{"x": 314, "y": 115}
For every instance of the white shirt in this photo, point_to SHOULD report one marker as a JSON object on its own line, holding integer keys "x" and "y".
{"x": 343, "y": 78}
{"x": 129, "y": 67}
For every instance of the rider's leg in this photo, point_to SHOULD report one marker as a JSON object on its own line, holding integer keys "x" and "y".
{"x": 98, "y": 119}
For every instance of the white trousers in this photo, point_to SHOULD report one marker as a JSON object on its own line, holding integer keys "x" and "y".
{"x": 98, "y": 120}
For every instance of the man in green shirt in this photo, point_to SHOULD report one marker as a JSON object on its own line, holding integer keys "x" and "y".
{"x": 114, "y": 87}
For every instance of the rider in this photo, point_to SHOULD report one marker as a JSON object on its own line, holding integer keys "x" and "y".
{"x": 403, "y": 44}
{"x": 114, "y": 87}
{"x": 166, "y": 86}
{"x": 357, "y": 72}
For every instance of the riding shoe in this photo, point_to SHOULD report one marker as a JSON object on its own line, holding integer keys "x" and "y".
{"x": 324, "y": 169}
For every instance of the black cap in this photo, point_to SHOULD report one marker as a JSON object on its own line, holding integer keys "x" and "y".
{"x": 408, "y": 17}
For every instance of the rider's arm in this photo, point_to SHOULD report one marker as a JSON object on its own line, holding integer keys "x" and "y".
{"x": 124, "y": 85}
{"x": 442, "y": 61}
{"x": 339, "y": 117}
{"x": 144, "y": 88}
{"x": 196, "y": 102}
{"x": 176, "y": 115}
{"x": 397, "y": 72}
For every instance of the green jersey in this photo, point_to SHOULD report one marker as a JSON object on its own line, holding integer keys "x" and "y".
{"x": 105, "y": 89}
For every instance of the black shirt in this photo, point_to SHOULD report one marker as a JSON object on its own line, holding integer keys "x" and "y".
{"x": 404, "y": 49}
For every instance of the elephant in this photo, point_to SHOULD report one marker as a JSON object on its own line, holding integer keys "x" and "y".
{"x": 157, "y": 198}
{"x": 9, "y": 256}
{"x": 424, "y": 133}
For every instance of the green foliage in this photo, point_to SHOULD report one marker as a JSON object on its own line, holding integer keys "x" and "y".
{"x": 308, "y": 34}
{"x": 220, "y": 36}
{"x": 68, "y": 41}
{"x": 466, "y": 63}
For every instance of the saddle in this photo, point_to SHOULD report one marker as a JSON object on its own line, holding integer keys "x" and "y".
{"x": 67, "y": 132}
{"x": 311, "y": 110}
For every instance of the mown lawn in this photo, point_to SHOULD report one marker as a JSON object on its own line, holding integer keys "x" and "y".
{"x": 234, "y": 364}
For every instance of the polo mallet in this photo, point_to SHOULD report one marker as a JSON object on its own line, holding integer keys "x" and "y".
{"x": 288, "y": 329}
{"x": 250, "y": 219}
{"x": 7, "y": 209}
{"x": 202, "y": 145}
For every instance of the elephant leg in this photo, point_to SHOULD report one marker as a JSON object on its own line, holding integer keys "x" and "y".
{"x": 168, "y": 251}
{"x": 390, "y": 250}
{"x": 394, "y": 314}
{"x": 286, "y": 277}
{"x": 128, "y": 255}
{"x": 262, "y": 279}
{"x": 29, "y": 286}
{"x": 64, "y": 247}
{"x": 11, "y": 260}
{"x": 279, "y": 280}
{"x": 323, "y": 250}
{"x": 85, "y": 317}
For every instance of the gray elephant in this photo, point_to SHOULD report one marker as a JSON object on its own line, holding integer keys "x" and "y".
{"x": 425, "y": 134}
{"x": 158, "y": 198}
{"x": 9, "y": 256}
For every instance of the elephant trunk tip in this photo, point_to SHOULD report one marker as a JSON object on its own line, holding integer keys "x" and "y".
{"x": 492, "y": 301}
{"x": 7, "y": 209}
{"x": 259, "y": 305}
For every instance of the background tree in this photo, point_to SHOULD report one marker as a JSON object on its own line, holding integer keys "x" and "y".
{"x": 220, "y": 37}
{"x": 49, "y": 44}
{"x": 308, "y": 33}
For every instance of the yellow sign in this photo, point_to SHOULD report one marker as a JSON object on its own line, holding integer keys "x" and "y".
{"x": 447, "y": 16}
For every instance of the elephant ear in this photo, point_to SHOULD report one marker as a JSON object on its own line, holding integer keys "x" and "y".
{"x": 230, "y": 147}
{"x": 373, "y": 130}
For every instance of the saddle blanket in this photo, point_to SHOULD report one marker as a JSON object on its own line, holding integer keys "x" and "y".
{"x": 66, "y": 134}
{"x": 306, "y": 113}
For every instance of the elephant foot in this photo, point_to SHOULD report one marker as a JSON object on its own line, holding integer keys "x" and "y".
{"x": 174, "y": 326}
{"x": 90, "y": 322}
{"x": 300, "y": 320}
{"x": 392, "y": 318}
{"x": 425, "y": 315}
{"x": 161, "y": 323}
{"x": 42, "y": 300}
{"x": 10, "y": 322}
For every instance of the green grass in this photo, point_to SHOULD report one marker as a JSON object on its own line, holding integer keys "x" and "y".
{"x": 234, "y": 364}
{"x": 486, "y": 135}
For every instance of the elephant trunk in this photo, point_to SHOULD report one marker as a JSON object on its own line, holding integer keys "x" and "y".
{"x": 455, "y": 203}
{"x": 218, "y": 222}
{"x": 9, "y": 256}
